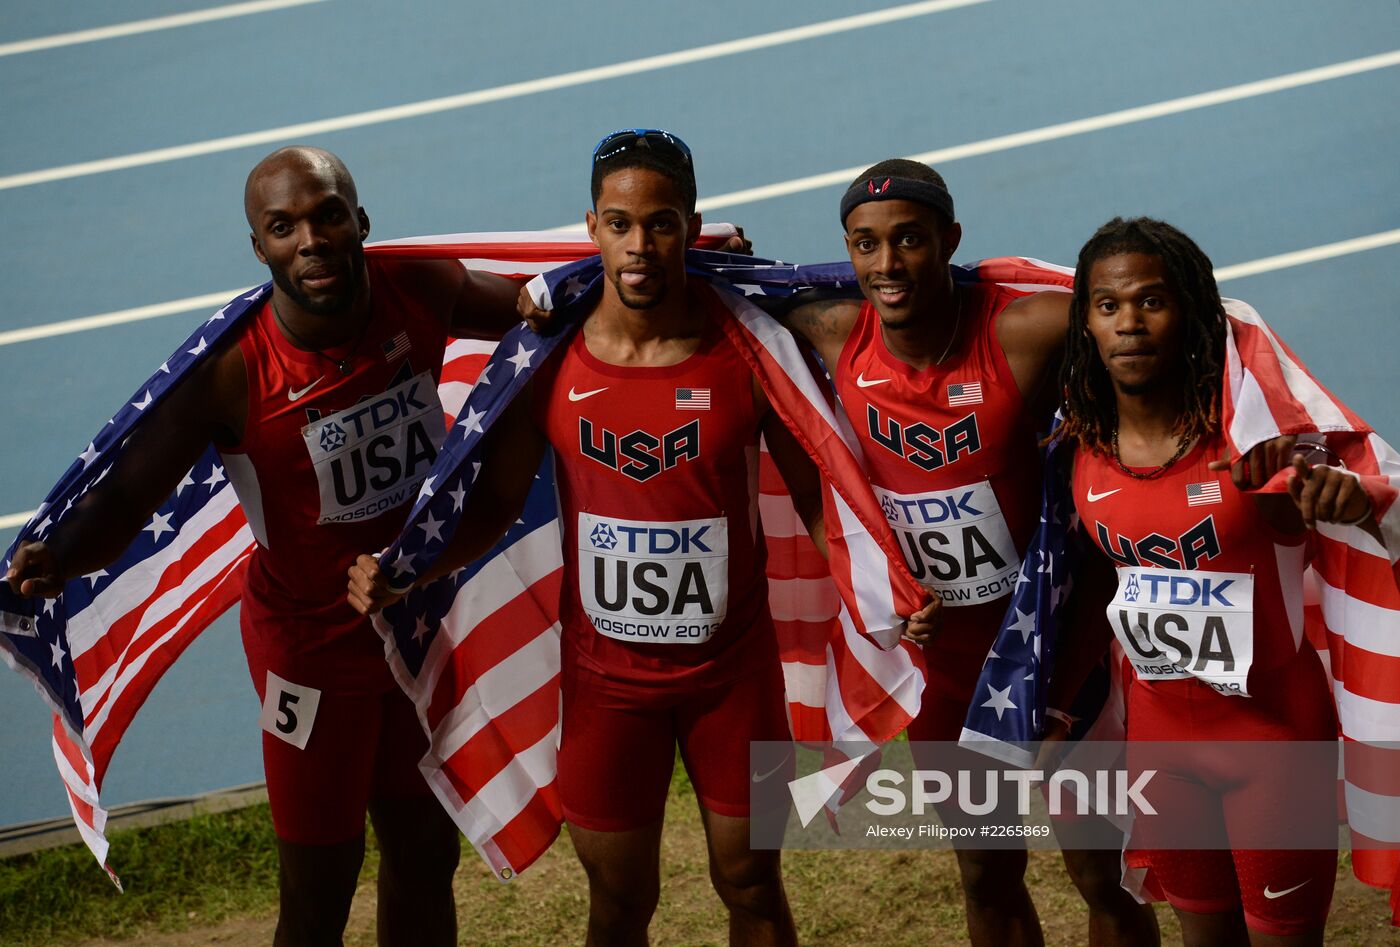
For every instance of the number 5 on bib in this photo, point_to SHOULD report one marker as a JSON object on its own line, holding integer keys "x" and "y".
{"x": 289, "y": 710}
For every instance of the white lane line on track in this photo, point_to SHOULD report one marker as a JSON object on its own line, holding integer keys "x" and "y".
{"x": 1299, "y": 257}
{"x": 1266, "y": 264}
{"x": 121, "y": 316}
{"x": 468, "y": 99}
{"x": 147, "y": 26}
{"x": 1035, "y": 136}
{"x": 16, "y": 520}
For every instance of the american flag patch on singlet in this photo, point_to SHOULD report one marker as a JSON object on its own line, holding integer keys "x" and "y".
{"x": 966, "y": 393}
{"x": 1202, "y": 494}
{"x": 692, "y": 399}
{"x": 396, "y": 346}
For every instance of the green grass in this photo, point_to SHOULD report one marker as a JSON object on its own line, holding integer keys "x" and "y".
{"x": 178, "y": 875}
{"x": 214, "y": 879}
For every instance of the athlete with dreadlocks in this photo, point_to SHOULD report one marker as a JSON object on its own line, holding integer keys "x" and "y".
{"x": 1143, "y": 376}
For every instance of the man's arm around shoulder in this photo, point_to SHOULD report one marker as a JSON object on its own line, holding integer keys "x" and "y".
{"x": 825, "y": 324}
{"x": 208, "y": 406}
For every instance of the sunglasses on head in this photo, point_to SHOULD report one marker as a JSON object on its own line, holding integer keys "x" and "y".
{"x": 651, "y": 139}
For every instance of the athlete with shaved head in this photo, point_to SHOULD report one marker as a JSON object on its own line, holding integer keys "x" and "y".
{"x": 338, "y": 335}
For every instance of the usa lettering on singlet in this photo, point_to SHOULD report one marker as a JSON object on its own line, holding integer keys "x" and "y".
{"x": 375, "y": 455}
{"x": 659, "y": 582}
{"x": 1177, "y": 624}
{"x": 955, "y": 541}
{"x": 940, "y": 444}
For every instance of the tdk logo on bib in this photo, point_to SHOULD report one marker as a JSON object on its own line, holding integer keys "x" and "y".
{"x": 955, "y": 542}
{"x": 658, "y": 582}
{"x": 1184, "y": 590}
{"x": 603, "y": 537}
{"x": 373, "y": 457}
{"x": 1175, "y": 624}
{"x": 332, "y": 436}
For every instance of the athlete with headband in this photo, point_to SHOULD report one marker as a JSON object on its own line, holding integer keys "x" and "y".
{"x": 946, "y": 386}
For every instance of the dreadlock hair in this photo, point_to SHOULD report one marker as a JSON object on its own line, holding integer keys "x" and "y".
{"x": 1090, "y": 405}
{"x": 681, "y": 175}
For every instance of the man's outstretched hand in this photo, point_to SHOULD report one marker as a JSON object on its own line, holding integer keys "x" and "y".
{"x": 35, "y": 571}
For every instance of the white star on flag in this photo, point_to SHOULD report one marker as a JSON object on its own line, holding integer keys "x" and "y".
{"x": 401, "y": 562}
{"x": 58, "y": 654}
{"x": 471, "y": 424}
{"x": 49, "y": 603}
{"x": 144, "y": 403}
{"x": 1000, "y": 701}
{"x": 43, "y": 526}
{"x": 199, "y": 348}
{"x": 457, "y": 496}
{"x": 572, "y": 287}
{"x": 427, "y": 489}
{"x": 748, "y": 289}
{"x": 420, "y": 628}
{"x": 216, "y": 477}
{"x": 164, "y": 367}
{"x": 186, "y": 481}
{"x": 93, "y": 577}
{"x": 484, "y": 378}
{"x": 1024, "y": 623}
{"x": 160, "y": 523}
{"x": 89, "y": 455}
{"x": 521, "y": 358}
{"x": 432, "y": 529}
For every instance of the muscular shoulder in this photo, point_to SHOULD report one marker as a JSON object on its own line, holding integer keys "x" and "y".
{"x": 823, "y": 319}
{"x": 825, "y": 324}
{"x": 1034, "y": 323}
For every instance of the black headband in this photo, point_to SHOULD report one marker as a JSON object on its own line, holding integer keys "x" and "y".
{"x": 885, "y": 188}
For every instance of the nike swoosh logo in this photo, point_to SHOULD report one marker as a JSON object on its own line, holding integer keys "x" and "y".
{"x": 294, "y": 395}
{"x": 758, "y": 779}
{"x": 1278, "y": 894}
{"x": 1096, "y": 497}
{"x": 580, "y": 395}
{"x": 863, "y": 382}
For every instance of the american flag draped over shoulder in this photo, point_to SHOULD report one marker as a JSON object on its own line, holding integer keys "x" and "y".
{"x": 95, "y": 653}
{"x": 1353, "y": 613}
{"x": 494, "y": 735}
{"x": 1352, "y": 608}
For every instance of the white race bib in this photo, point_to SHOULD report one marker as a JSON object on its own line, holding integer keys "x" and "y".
{"x": 1174, "y": 624}
{"x": 665, "y": 582}
{"x": 955, "y": 542}
{"x": 289, "y": 710}
{"x": 374, "y": 456}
